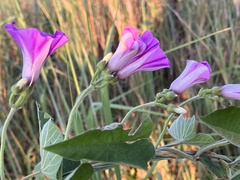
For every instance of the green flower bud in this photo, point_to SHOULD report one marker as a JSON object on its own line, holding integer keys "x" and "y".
{"x": 103, "y": 63}
{"x": 170, "y": 95}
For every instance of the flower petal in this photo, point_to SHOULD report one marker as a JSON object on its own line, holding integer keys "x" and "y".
{"x": 36, "y": 46}
{"x": 145, "y": 56}
{"x": 231, "y": 91}
{"x": 194, "y": 73}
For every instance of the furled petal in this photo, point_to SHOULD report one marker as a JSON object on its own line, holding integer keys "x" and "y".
{"x": 148, "y": 62}
{"x": 194, "y": 73}
{"x": 126, "y": 50}
{"x": 231, "y": 91}
{"x": 36, "y": 46}
{"x": 143, "y": 55}
{"x": 135, "y": 33}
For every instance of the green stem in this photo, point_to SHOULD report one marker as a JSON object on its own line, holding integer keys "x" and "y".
{"x": 171, "y": 116}
{"x": 211, "y": 146}
{"x": 190, "y": 100}
{"x": 150, "y": 104}
{"x": 235, "y": 162}
{"x": 31, "y": 175}
{"x": 177, "y": 152}
{"x": 3, "y": 139}
{"x": 79, "y": 100}
{"x": 164, "y": 129}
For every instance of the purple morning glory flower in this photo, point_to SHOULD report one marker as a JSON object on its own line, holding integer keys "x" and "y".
{"x": 36, "y": 46}
{"x": 194, "y": 73}
{"x": 231, "y": 91}
{"x": 136, "y": 53}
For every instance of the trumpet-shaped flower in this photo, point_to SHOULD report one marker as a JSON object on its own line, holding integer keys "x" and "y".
{"x": 194, "y": 73}
{"x": 136, "y": 53}
{"x": 231, "y": 91}
{"x": 36, "y": 46}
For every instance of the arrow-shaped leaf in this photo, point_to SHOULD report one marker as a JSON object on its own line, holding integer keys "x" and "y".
{"x": 112, "y": 145}
{"x": 226, "y": 122}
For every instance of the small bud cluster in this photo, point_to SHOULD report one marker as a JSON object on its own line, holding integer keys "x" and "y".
{"x": 168, "y": 95}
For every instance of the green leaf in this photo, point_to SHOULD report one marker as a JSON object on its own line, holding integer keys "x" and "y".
{"x": 83, "y": 172}
{"x": 43, "y": 117}
{"x": 50, "y": 162}
{"x": 200, "y": 140}
{"x": 68, "y": 166}
{"x": 144, "y": 130}
{"x": 226, "y": 123}
{"x": 102, "y": 166}
{"x": 183, "y": 129}
{"x": 236, "y": 175}
{"x": 36, "y": 169}
{"x": 110, "y": 145}
{"x": 213, "y": 166}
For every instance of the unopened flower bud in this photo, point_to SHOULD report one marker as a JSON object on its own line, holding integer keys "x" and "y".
{"x": 231, "y": 91}
{"x": 113, "y": 80}
{"x": 21, "y": 84}
{"x": 176, "y": 109}
{"x": 194, "y": 73}
{"x": 224, "y": 102}
{"x": 159, "y": 95}
{"x": 170, "y": 95}
{"x": 180, "y": 110}
{"x": 214, "y": 98}
{"x": 216, "y": 90}
{"x": 101, "y": 65}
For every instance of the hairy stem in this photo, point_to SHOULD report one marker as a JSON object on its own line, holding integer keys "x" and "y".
{"x": 3, "y": 139}
{"x": 177, "y": 152}
{"x": 150, "y": 104}
{"x": 211, "y": 146}
{"x": 171, "y": 116}
{"x": 78, "y": 101}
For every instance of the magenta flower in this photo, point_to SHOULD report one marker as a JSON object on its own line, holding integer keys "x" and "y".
{"x": 136, "y": 53}
{"x": 36, "y": 46}
{"x": 231, "y": 91}
{"x": 194, "y": 73}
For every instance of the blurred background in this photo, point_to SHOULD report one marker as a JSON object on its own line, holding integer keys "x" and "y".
{"x": 94, "y": 27}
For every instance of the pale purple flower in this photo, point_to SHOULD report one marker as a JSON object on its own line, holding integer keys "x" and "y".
{"x": 231, "y": 91}
{"x": 36, "y": 46}
{"x": 136, "y": 53}
{"x": 194, "y": 73}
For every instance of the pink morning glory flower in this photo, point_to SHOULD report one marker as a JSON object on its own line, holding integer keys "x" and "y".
{"x": 36, "y": 46}
{"x": 194, "y": 73}
{"x": 231, "y": 91}
{"x": 136, "y": 53}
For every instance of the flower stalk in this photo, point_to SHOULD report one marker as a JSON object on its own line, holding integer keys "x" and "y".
{"x": 171, "y": 116}
{"x": 77, "y": 103}
{"x": 3, "y": 141}
{"x": 150, "y": 104}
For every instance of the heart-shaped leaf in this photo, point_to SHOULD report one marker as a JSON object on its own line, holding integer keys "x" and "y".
{"x": 183, "y": 129}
